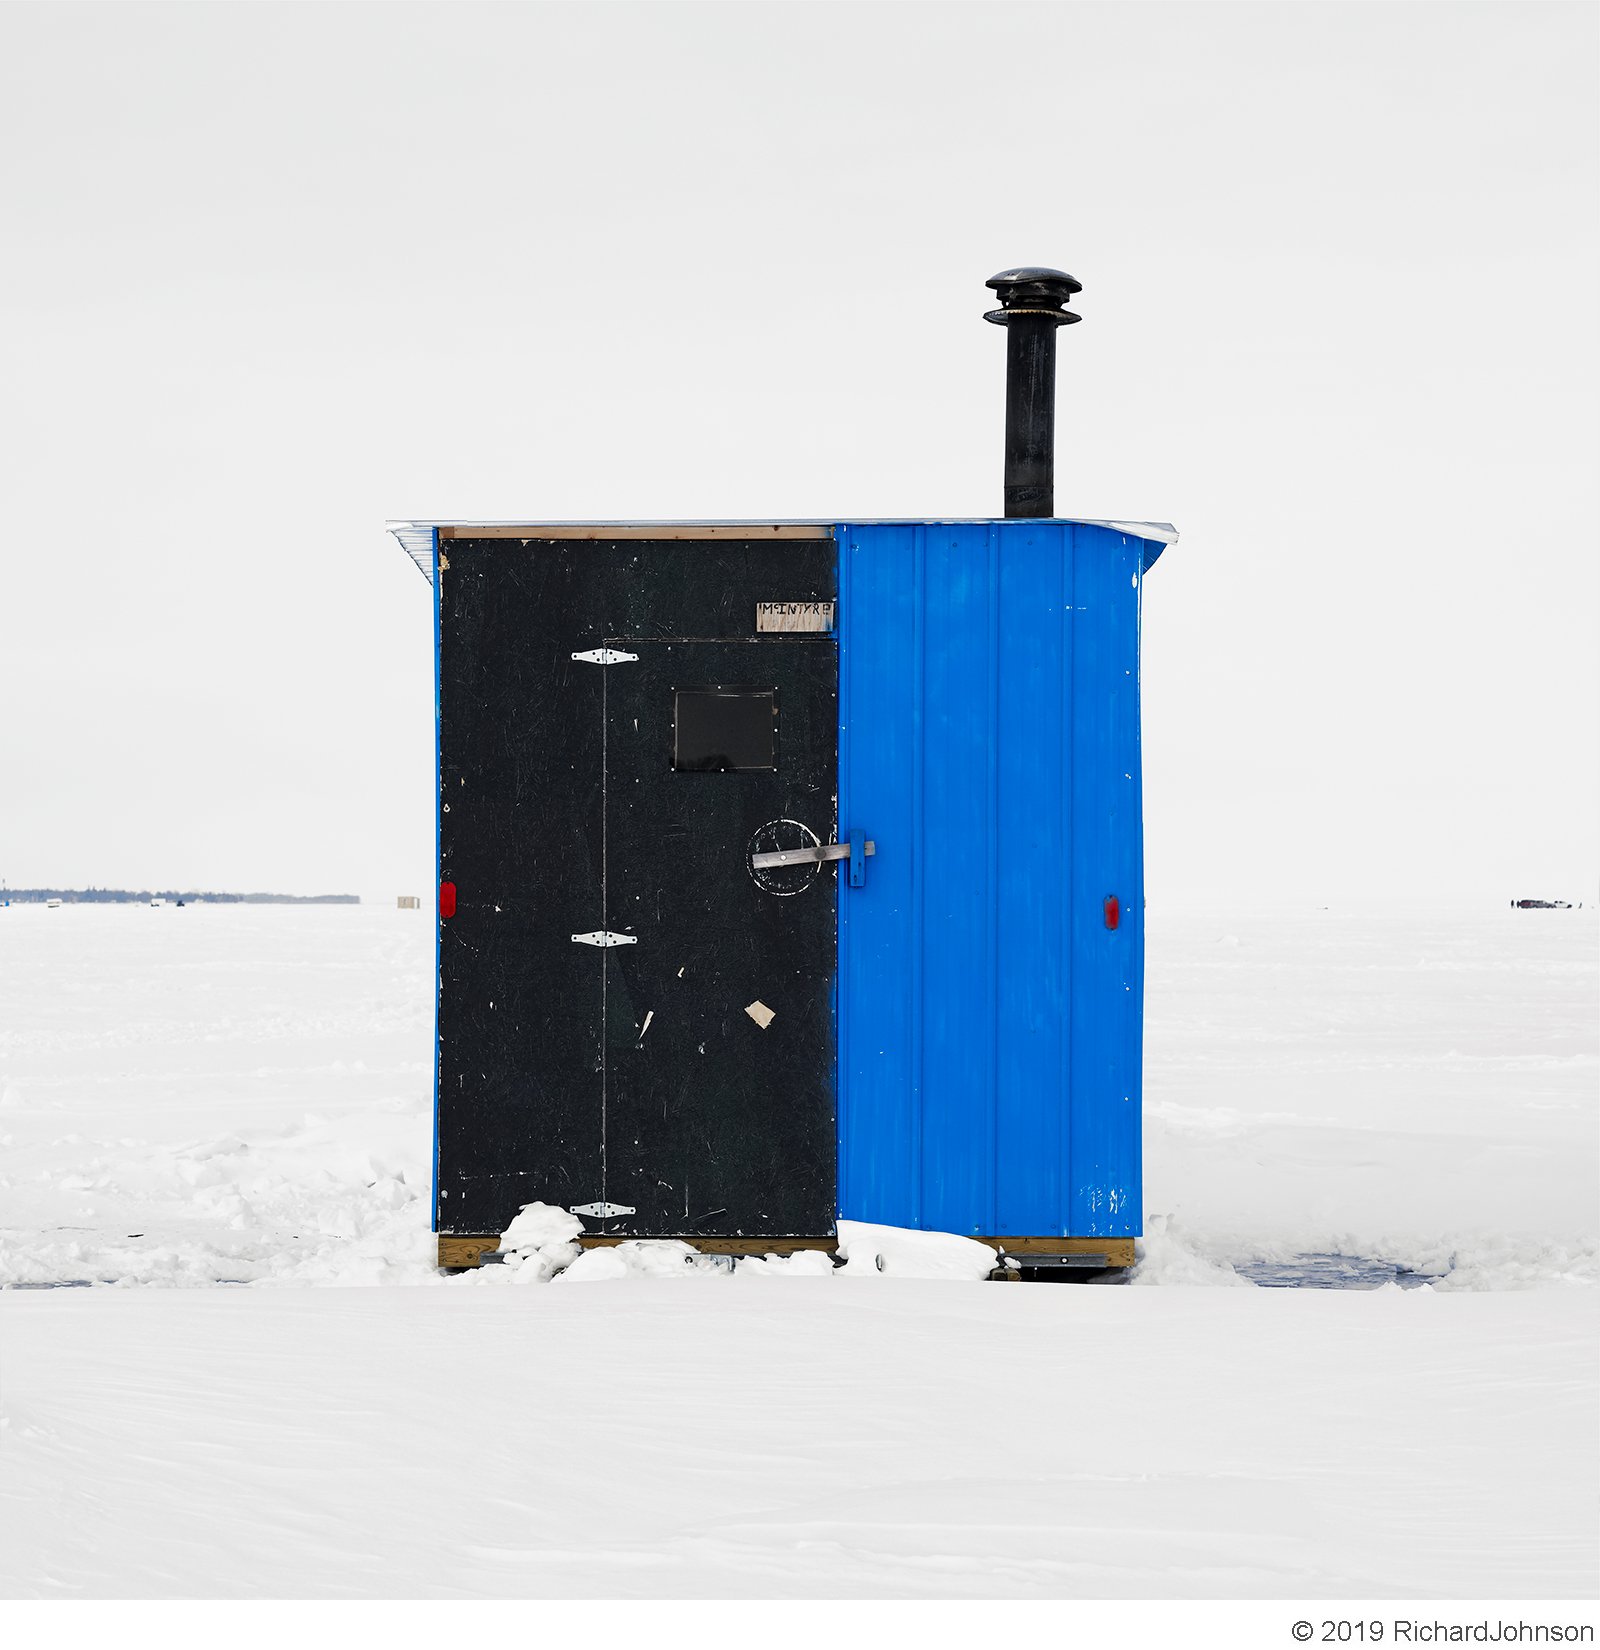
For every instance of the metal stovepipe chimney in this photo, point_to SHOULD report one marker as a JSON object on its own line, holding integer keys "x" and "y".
{"x": 1032, "y": 306}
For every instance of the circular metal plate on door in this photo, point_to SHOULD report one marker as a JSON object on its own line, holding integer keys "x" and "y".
{"x": 780, "y": 836}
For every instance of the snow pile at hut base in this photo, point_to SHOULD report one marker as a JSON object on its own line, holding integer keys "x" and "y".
{"x": 891, "y": 1251}
{"x": 217, "y": 1097}
{"x": 804, "y": 1263}
{"x": 538, "y": 1248}
{"x": 643, "y": 1258}
{"x": 540, "y": 1243}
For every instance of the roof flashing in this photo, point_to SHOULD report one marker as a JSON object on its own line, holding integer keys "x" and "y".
{"x": 420, "y": 539}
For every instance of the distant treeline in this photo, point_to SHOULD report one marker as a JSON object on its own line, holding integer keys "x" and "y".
{"x": 138, "y": 896}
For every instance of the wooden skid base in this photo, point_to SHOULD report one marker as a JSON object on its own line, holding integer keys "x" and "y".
{"x": 1118, "y": 1251}
{"x": 459, "y": 1252}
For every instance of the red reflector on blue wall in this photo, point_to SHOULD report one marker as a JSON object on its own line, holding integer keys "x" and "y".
{"x": 1113, "y": 911}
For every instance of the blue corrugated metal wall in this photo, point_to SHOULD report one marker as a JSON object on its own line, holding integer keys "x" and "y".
{"x": 990, "y": 1024}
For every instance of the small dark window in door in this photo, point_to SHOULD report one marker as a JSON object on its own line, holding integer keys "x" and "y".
{"x": 719, "y": 729}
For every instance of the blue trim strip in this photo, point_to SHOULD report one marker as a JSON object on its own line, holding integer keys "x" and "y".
{"x": 841, "y": 1054}
{"x": 438, "y": 923}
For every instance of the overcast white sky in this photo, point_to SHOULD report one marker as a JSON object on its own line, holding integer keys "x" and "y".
{"x": 273, "y": 274}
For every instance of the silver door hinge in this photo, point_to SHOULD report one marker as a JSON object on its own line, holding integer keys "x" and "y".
{"x": 603, "y": 937}
{"x": 607, "y": 656}
{"x": 602, "y": 1211}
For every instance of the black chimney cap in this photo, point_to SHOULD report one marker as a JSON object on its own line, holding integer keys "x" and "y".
{"x": 1033, "y": 291}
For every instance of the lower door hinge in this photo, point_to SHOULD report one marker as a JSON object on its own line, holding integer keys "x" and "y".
{"x": 607, "y": 656}
{"x": 603, "y": 937}
{"x": 602, "y": 1211}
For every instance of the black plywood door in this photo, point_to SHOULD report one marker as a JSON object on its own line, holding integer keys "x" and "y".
{"x": 718, "y": 1103}
{"x": 573, "y": 1074}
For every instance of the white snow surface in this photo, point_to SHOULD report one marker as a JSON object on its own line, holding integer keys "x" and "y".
{"x": 239, "y": 1096}
{"x": 798, "y": 1438}
{"x": 892, "y": 1252}
{"x": 540, "y": 1242}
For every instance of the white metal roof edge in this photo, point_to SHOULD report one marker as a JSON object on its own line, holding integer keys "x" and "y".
{"x": 417, "y": 538}
{"x": 1159, "y": 532}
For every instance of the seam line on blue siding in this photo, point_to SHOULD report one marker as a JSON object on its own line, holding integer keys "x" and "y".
{"x": 1133, "y": 1221}
{"x": 919, "y": 543}
{"x": 1069, "y": 666}
{"x": 992, "y": 937}
{"x": 841, "y": 921}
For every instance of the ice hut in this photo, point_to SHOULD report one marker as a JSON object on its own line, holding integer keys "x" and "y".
{"x": 792, "y": 871}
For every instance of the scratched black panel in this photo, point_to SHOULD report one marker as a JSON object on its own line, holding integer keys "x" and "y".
{"x": 521, "y": 1040}
{"x": 678, "y": 588}
{"x": 716, "y": 1124}
{"x": 520, "y": 836}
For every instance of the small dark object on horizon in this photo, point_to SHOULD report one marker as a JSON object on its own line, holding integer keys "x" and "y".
{"x": 1541, "y": 905}
{"x": 143, "y": 896}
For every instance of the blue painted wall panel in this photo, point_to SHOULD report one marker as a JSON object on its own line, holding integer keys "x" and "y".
{"x": 1032, "y": 818}
{"x": 955, "y": 850}
{"x": 1103, "y": 1154}
{"x": 879, "y": 951}
{"x": 990, "y": 1023}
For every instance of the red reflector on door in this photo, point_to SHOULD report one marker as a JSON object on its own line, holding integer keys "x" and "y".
{"x": 447, "y": 899}
{"x": 1113, "y": 911}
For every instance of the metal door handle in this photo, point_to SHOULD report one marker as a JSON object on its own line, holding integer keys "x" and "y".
{"x": 808, "y": 856}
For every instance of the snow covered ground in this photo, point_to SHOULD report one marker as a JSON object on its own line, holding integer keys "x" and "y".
{"x": 239, "y": 1095}
{"x": 218, "y": 1094}
{"x": 799, "y": 1437}
{"x": 1410, "y": 1082}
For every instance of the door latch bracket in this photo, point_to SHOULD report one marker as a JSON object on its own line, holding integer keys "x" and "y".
{"x": 809, "y": 856}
